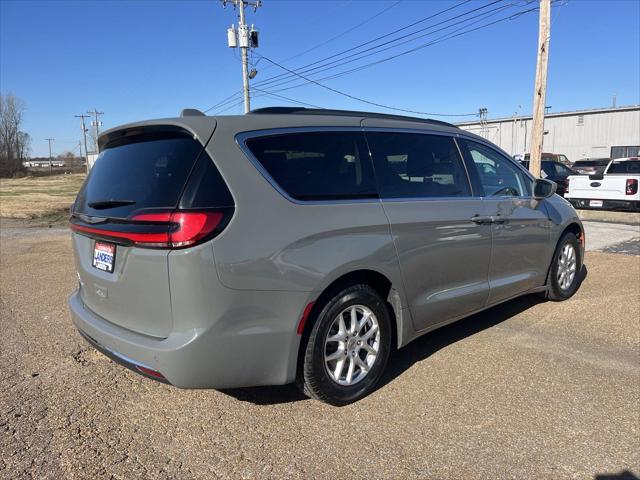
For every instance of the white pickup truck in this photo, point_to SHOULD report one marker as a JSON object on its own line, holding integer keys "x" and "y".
{"x": 615, "y": 189}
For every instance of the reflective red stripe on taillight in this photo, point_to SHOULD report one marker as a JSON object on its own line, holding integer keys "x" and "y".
{"x": 177, "y": 229}
{"x": 632, "y": 186}
{"x": 134, "y": 237}
{"x": 150, "y": 372}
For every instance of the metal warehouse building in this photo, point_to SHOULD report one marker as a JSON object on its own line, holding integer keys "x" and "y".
{"x": 603, "y": 132}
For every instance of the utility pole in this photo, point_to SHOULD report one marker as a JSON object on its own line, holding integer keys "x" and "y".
{"x": 84, "y": 134}
{"x": 482, "y": 113}
{"x": 540, "y": 90}
{"x": 97, "y": 124}
{"x": 245, "y": 38}
{"x": 49, "y": 140}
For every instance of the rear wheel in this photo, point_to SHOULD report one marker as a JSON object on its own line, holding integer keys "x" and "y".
{"x": 565, "y": 268}
{"x": 348, "y": 347}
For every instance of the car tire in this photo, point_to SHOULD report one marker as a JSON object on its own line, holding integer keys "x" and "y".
{"x": 323, "y": 377}
{"x": 563, "y": 279}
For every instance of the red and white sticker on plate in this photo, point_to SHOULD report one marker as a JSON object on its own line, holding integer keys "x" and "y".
{"x": 104, "y": 255}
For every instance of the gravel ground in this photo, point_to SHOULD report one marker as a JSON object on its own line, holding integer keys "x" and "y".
{"x": 524, "y": 390}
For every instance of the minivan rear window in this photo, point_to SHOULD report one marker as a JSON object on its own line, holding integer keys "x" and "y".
{"x": 317, "y": 165}
{"x": 139, "y": 172}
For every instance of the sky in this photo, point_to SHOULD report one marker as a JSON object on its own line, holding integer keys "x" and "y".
{"x": 136, "y": 60}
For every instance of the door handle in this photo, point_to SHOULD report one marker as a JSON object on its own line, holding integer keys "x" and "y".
{"x": 482, "y": 219}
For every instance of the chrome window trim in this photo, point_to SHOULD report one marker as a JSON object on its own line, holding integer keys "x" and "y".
{"x": 242, "y": 137}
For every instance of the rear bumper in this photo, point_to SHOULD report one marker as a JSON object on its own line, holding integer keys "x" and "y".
{"x": 633, "y": 205}
{"x": 212, "y": 357}
{"x": 126, "y": 362}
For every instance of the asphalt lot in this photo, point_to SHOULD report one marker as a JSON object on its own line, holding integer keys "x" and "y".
{"x": 528, "y": 389}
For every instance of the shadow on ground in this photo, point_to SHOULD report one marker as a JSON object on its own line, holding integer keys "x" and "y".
{"x": 418, "y": 350}
{"x": 624, "y": 475}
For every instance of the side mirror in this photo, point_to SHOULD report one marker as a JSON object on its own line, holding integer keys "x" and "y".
{"x": 544, "y": 188}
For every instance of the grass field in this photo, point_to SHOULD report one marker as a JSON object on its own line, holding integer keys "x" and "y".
{"x": 38, "y": 197}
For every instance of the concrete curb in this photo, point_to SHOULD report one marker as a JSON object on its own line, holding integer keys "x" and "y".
{"x": 629, "y": 218}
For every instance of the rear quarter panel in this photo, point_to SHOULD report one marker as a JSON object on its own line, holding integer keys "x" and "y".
{"x": 274, "y": 244}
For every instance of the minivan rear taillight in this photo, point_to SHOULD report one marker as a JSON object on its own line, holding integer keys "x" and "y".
{"x": 176, "y": 229}
{"x": 632, "y": 186}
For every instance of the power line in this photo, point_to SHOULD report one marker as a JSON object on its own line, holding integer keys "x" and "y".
{"x": 356, "y": 47}
{"x": 271, "y": 94}
{"x": 441, "y": 39}
{"x": 228, "y": 99}
{"x": 342, "y": 34}
{"x": 359, "y": 56}
{"x": 285, "y": 81}
{"x": 368, "y": 101}
{"x": 455, "y": 33}
{"x": 224, "y": 100}
{"x": 229, "y": 107}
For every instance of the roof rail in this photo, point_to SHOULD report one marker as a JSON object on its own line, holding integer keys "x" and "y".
{"x": 348, "y": 113}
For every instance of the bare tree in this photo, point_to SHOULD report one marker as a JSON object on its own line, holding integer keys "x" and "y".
{"x": 24, "y": 146}
{"x": 11, "y": 140}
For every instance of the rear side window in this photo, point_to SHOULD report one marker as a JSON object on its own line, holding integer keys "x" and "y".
{"x": 630, "y": 166}
{"x": 317, "y": 165}
{"x": 146, "y": 170}
{"x": 206, "y": 188}
{"x": 412, "y": 165}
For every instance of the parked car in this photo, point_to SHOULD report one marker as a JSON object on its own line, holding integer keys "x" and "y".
{"x": 556, "y": 172}
{"x": 591, "y": 166}
{"x": 616, "y": 189}
{"x": 295, "y": 245}
{"x": 551, "y": 157}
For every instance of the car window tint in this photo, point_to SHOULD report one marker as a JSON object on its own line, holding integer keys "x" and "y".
{"x": 498, "y": 175}
{"x": 411, "y": 165}
{"x": 548, "y": 168}
{"x": 317, "y": 165}
{"x": 148, "y": 170}
{"x": 206, "y": 187}
{"x": 629, "y": 166}
{"x": 560, "y": 170}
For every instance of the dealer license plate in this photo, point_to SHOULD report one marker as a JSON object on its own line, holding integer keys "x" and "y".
{"x": 104, "y": 255}
{"x": 595, "y": 203}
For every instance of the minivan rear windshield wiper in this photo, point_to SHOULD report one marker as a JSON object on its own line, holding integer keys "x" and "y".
{"x": 104, "y": 204}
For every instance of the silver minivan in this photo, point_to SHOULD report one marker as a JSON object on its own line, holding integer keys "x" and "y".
{"x": 297, "y": 245}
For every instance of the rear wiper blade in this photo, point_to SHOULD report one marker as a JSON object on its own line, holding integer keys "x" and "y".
{"x": 103, "y": 204}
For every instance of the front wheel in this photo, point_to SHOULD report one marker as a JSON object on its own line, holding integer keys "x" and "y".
{"x": 564, "y": 273}
{"x": 348, "y": 347}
